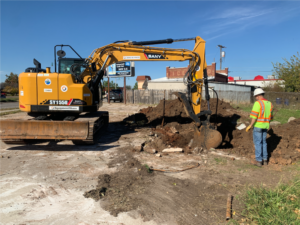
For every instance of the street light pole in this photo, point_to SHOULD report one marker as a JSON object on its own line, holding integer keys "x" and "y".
{"x": 221, "y": 46}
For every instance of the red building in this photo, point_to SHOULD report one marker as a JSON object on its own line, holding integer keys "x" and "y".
{"x": 212, "y": 73}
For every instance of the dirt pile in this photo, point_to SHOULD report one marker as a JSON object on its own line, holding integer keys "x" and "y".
{"x": 169, "y": 108}
{"x": 120, "y": 190}
{"x": 173, "y": 110}
{"x": 282, "y": 141}
{"x": 283, "y": 145}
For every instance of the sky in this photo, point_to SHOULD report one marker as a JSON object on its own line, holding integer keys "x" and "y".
{"x": 255, "y": 33}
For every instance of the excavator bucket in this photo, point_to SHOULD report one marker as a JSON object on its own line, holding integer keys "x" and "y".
{"x": 205, "y": 136}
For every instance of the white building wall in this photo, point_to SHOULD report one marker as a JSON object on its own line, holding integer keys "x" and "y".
{"x": 257, "y": 83}
{"x": 165, "y": 85}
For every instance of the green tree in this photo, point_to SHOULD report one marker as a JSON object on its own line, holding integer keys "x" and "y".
{"x": 135, "y": 87}
{"x": 289, "y": 71}
{"x": 11, "y": 83}
{"x": 112, "y": 84}
{"x": 12, "y": 80}
{"x": 128, "y": 87}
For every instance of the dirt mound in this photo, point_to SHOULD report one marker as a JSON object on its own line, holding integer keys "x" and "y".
{"x": 283, "y": 145}
{"x": 217, "y": 106}
{"x": 169, "y": 108}
{"x": 156, "y": 196}
{"x": 174, "y": 110}
{"x": 119, "y": 190}
{"x": 282, "y": 141}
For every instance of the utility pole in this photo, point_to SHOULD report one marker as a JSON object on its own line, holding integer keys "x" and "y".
{"x": 221, "y": 46}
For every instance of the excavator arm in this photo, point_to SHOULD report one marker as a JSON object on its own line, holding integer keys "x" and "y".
{"x": 195, "y": 78}
{"x": 138, "y": 51}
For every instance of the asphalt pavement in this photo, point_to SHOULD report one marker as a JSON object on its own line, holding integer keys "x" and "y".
{"x": 9, "y": 105}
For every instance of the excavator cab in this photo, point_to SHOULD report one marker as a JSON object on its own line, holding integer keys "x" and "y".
{"x": 65, "y": 64}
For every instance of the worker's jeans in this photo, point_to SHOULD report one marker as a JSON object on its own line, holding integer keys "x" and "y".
{"x": 260, "y": 142}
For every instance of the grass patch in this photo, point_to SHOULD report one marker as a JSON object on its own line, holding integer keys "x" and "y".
{"x": 148, "y": 168}
{"x": 282, "y": 115}
{"x": 277, "y": 206}
{"x": 244, "y": 107}
{"x": 5, "y": 109}
{"x": 10, "y": 112}
{"x": 9, "y": 99}
{"x": 220, "y": 161}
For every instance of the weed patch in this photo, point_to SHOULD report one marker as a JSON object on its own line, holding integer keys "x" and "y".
{"x": 280, "y": 205}
{"x": 10, "y": 112}
{"x": 220, "y": 161}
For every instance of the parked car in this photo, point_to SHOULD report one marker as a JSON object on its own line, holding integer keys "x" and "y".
{"x": 3, "y": 95}
{"x": 116, "y": 95}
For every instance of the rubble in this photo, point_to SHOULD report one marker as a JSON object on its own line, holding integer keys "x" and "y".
{"x": 172, "y": 150}
{"x": 149, "y": 149}
{"x": 274, "y": 123}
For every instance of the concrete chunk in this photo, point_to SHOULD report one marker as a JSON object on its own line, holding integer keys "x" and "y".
{"x": 138, "y": 144}
{"x": 173, "y": 130}
{"x": 149, "y": 149}
{"x": 274, "y": 123}
{"x": 172, "y": 150}
{"x": 291, "y": 119}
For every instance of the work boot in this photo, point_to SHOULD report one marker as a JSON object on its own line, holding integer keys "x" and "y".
{"x": 256, "y": 163}
{"x": 265, "y": 162}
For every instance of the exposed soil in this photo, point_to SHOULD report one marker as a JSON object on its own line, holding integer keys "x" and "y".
{"x": 283, "y": 144}
{"x": 119, "y": 190}
{"x": 154, "y": 195}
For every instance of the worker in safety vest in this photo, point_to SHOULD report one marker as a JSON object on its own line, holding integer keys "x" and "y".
{"x": 261, "y": 114}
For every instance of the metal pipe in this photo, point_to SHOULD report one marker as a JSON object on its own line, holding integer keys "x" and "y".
{"x": 100, "y": 72}
{"x": 164, "y": 41}
{"x": 184, "y": 39}
{"x": 228, "y": 208}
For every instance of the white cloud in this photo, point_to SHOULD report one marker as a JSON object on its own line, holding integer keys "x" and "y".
{"x": 235, "y": 19}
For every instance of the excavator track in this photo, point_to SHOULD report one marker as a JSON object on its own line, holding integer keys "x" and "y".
{"x": 81, "y": 131}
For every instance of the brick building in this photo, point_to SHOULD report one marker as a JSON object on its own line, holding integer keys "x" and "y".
{"x": 174, "y": 76}
{"x": 212, "y": 73}
{"x": 141, "y": 80}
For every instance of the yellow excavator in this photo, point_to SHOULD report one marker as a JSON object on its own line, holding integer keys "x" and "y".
{"x": 64, "y": 104}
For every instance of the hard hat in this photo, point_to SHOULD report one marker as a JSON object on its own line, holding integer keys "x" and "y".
{"x": 258, "y": 91}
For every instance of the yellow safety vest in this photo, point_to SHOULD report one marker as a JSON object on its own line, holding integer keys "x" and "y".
{"x": 262, "y": 111}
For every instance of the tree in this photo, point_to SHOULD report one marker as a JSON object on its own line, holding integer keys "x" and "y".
{"x": 289, "y": 71}
{"x": 112, "y": 85}
{"x": 2, "y": 85}
{"x": 135, "y": 87}
{"x": 11, "y": 84}
{"x": 128, "y": 87}
{"x": 12, "y": 80}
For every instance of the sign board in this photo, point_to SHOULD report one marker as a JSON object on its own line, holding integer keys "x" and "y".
{"x": 121, "y": 69}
